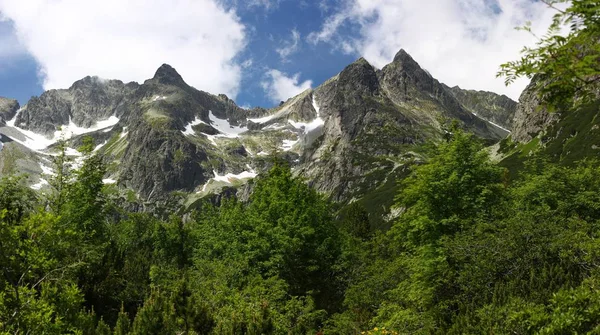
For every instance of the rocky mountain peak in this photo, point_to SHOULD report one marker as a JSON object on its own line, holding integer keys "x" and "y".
{"x": 402, "y": 56}
{"x": 350, "y": 132}
{"x": 405, "y": 63}
{"x": 359, "y": 77}
{"x": 167, "y": 75}
{"x": 87, "y": 82}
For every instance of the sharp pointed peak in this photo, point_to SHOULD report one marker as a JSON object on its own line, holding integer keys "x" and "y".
{"x": 362, "y": 60}
{"x": 402, "y": 55}
{"x": 166, "y": 74}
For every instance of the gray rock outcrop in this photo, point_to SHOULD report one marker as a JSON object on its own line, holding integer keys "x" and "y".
{"x": 348, "y": 136}
{"x": 8, "y": 109}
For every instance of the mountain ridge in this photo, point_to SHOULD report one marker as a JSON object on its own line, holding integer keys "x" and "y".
{"x": 344, "y": 136}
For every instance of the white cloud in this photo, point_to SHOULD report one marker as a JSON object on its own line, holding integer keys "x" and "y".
{"x": 330, "y": 27}
{"x": 129, "y": 40}
{"x": 280, "y": 87}
{"x": 290, "y": 46}
{"x": 247, "y": 63}
{"x": 462, "y": 42}
{"x": 266, "y": 5}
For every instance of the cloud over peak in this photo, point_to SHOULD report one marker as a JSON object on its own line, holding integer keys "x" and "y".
{"x": 128, "y": 40}
{"x": 462, "y": 42}
{"x": 280, "y": 87}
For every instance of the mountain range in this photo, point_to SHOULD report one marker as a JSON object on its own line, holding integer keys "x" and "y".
{"x": 351, "y": 138}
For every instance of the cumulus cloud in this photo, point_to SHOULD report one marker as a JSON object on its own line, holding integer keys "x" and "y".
{"x": 462, "y": 42}
{"x": 290, "y": 46}
{"x": 129, "y": 40}
{"x": 280, "y": 87}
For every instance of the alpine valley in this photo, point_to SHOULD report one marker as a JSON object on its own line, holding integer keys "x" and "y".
{"x": 351, "y": 138}
{"x": 381, "y": 202}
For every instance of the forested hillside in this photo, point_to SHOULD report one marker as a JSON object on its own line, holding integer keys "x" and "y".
{"x": 472, "y": 252}
{"x": 507, "y": 243}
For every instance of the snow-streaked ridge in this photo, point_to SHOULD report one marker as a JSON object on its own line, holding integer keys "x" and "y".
{"x": 492, "y": 123}
{"x": 38, "y": 142}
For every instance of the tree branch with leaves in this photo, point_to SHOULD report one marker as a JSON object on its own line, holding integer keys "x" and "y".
{"x": 566, "y": 60}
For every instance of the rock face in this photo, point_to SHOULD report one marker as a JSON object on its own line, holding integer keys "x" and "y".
{"x": 376, "y": 120}
{"x": 530, "y": 118}
{"x": 87, "y": 101}
{"x": 566, "y": 135}
{"x": 8, "y": 109}
{"x": 492, "y": 107}
{"x": 347, "y": 137}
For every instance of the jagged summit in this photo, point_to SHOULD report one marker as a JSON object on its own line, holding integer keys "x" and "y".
{"x": 88, "y": 81}
{"x": 359, "y": 77}
{"x": 402, "y": 55}
{"x": 167, "y": 75}
{"x": 350, "y": 132}
{"x": 405, "y": 62}
{"x": 362, "y": 60}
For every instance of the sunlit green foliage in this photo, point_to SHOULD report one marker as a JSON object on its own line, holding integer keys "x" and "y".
{"x": 567, "y": 58}
{"x": 472, "y": 251}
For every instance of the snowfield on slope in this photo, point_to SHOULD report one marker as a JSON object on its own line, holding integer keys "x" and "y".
{"x": 38, "y": 142}
{"x": 189, "y": 127}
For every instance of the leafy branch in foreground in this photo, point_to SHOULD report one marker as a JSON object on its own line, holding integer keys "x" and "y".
{"x": 566, "y": 60}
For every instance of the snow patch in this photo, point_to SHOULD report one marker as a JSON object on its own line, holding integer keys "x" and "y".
{"x": 46, "y": 170}
{"x": 268, "y": 118}
{"x": 274, "y": 126}
{"x": 72, "y": 129}
{"x": 499, "y": 126}
{"x": 224, "y": 127}
{"x": 211, "y": 138}
{"x": 230, "y": 178}
{"x": 39, "y": 185}
{"x": 109, "y": 181}
{"x": 158, "y": 97}
{"x": 492, "y": 123}
{"x": 72, "y": 152}
{"x": 288, "y": 144}
{"x": 312, "y": 125}
{"x": 33, "y": 141}
{"x": 99, "y": 146}
{"x": 188, "y": 128}
{"x": 124, "y": 133}
{"x": 38, "y": 142}
{"x": 263, "y": 119}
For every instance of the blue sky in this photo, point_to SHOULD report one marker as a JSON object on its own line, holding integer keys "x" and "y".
{"x": 273, "y": 30}
{"x": 257, "y": 51}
